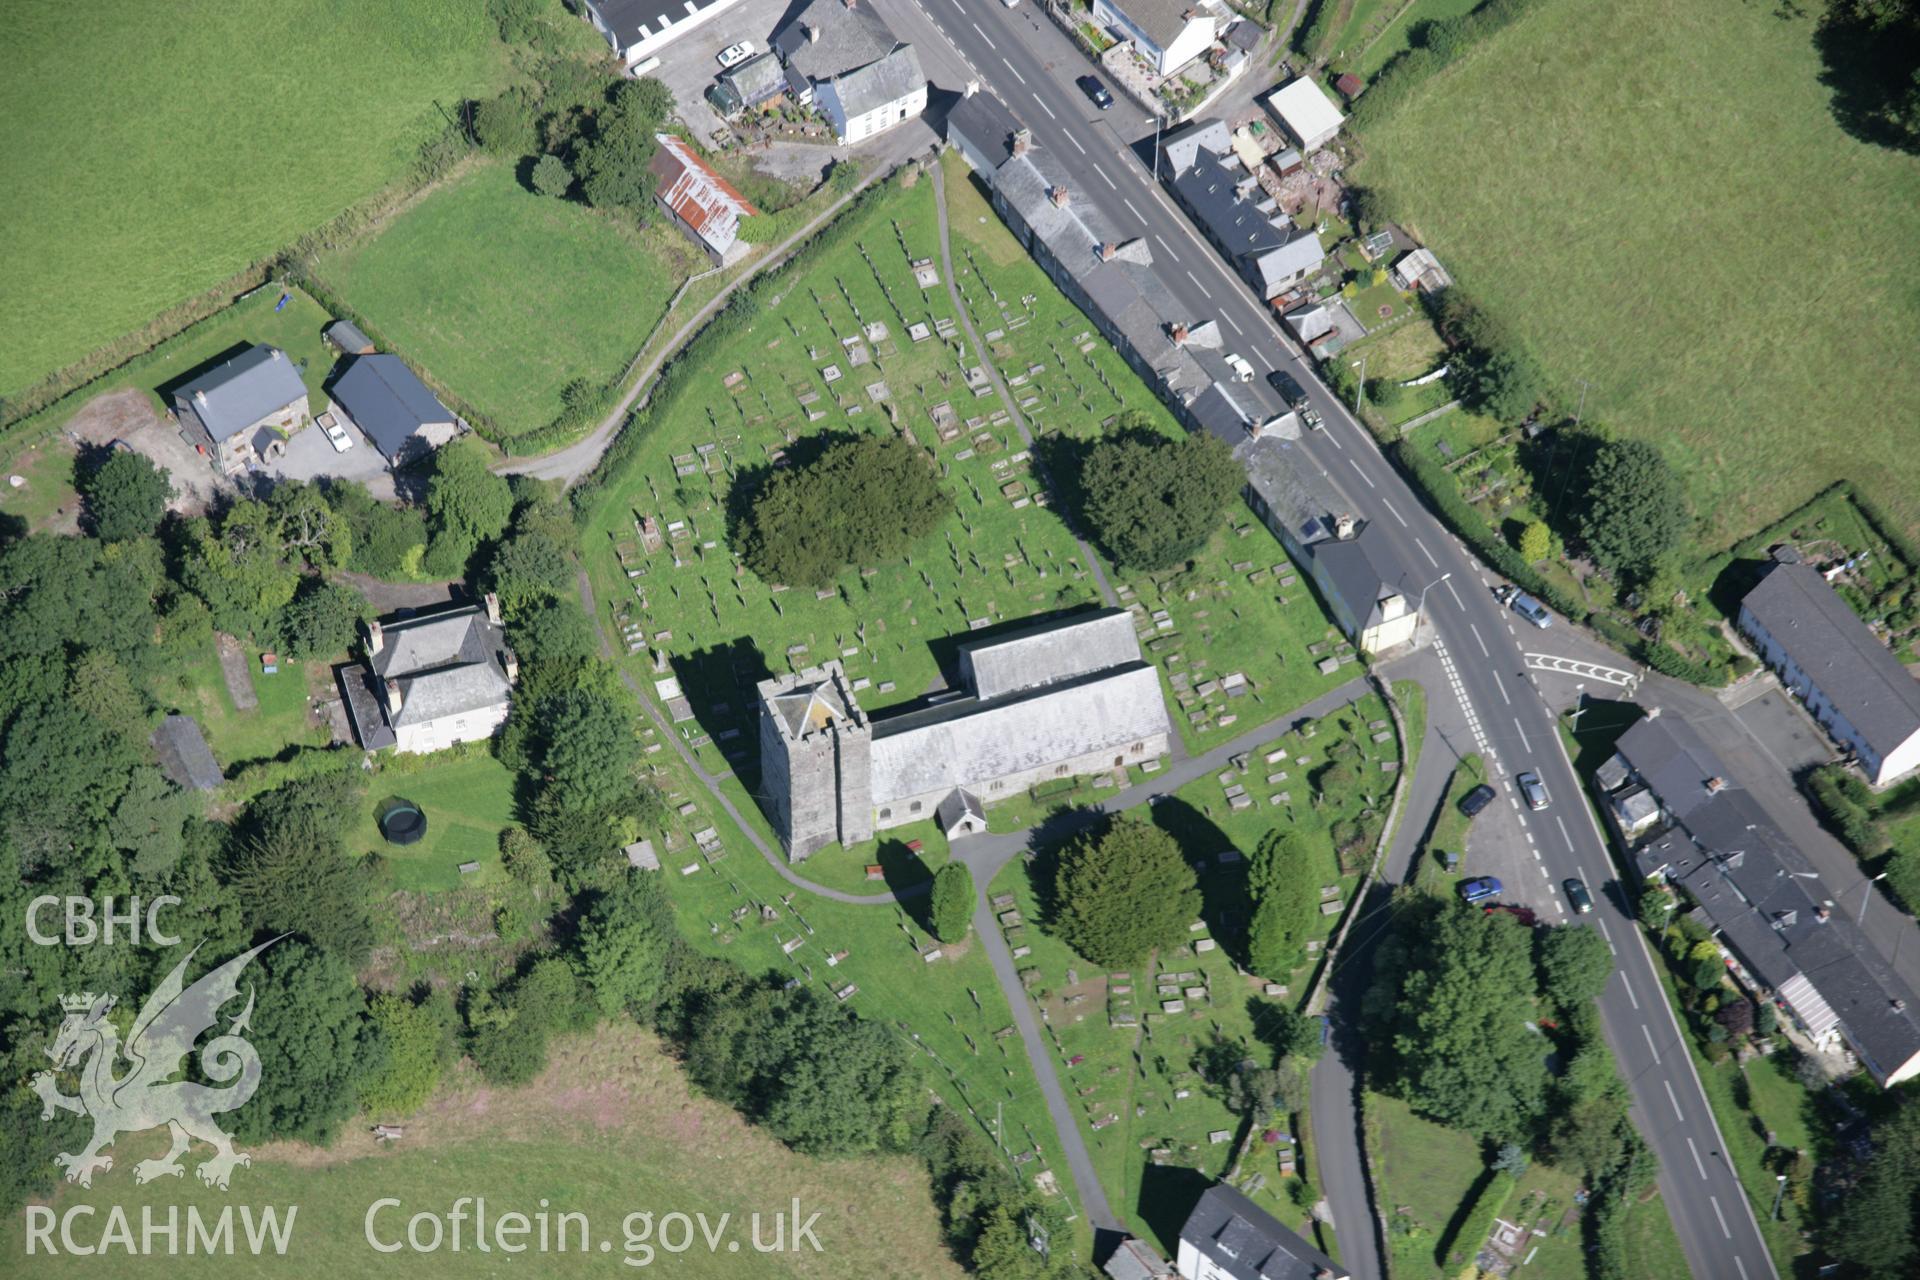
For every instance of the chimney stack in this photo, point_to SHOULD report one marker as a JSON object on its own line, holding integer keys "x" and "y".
{"x": 1060, "y": 197}
{"x": 1179, "y": 335}
{"x": 1716, "y": 785}
{"x": 1022, "y": 141}
{"x": 813, "y": 34}
{"x": 493, "y": 608}
{"x": 1343, "y": 525}
{"x": 376, "y": 639}
{"x": 1107, "y": 250}
{"x": 511, "y": 665}
{"x": 395, "y": 699}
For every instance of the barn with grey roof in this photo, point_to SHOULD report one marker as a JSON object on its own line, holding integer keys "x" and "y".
{"x": 1064, "y": 697}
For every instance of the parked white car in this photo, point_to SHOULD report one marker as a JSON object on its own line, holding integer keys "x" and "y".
{"x": 735, "y": 54}
{"x": 1242, "y": 370}
{"x": 337, "y": 436}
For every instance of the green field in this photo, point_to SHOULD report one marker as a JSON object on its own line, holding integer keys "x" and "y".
{"x": 611, "y": 1129}
{"x": 1674, "y": 216}
{"x": 152, "y": 151}
{"x": 504, "y": 297}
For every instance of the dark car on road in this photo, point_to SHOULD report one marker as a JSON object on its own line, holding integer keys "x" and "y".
{"x": 1476, "y": 800}
{"x": 1577, "y": 896}
{"x": 1097, "y": 92}
{"x": 1480, "y": 890}
{"x": 1290, "y": 390}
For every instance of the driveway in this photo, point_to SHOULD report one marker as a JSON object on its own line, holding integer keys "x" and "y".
{"x": 690, "y": 63}
{"x": 1784, "y": 730}
{"x": 310, "y": 456}
{"x": 129, "y": 415}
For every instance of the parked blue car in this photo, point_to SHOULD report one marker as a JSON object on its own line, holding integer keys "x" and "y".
{"x": 1480, "y": 890}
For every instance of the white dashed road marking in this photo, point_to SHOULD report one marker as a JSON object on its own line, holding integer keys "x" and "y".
{"x": 1650, "y": 1049}
{"x": 1477, "y": 640}
{"x": 1678, "y": 1114}
{"x": 1423, "y": 549}
{"x": 1697, "y": 1162}
{"x": 1363, "y": 475}
{"x": 1715, "y": 1201}
{"x": 1016, "y": 75}
{"x": 1402, "y": 519}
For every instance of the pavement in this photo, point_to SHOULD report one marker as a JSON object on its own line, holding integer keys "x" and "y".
{"x": 1031, "y": 66}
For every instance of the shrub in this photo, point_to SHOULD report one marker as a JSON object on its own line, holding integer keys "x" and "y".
{"x": 1536, "y": 542}
{"x": 952, "y": 902}
{"x": 551, "y": 177}
{"x": 126, "y": 495}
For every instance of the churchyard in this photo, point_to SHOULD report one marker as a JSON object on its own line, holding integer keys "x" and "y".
{"x": 1131, "y": 1043}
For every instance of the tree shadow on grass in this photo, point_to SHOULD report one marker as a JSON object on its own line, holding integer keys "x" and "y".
{"x": 1223, "y": 885}
{"x": 719, "y": 683}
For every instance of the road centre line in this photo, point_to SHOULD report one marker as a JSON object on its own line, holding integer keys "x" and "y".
{"x": 1044, "y": 107}
{"x": 1455, "y": 594}
{"x": 1130, "y": 209}
{"x": 1650, "y": 1049}
{"x": 1082, "y": 150}
{"x": 1402, "y": 519}
{"x": 1523, "y": 736}
{"x": 1564, "y": 836}
{"x": 1009, "y": 66}
{"x": 1477, "y": 640}
{"x": 1715, "y": 1202}
{"x": 1198, "y": 285}
{"x": 1363, "y": 475}
{"x": 1236, "y": 328}
{"x": 1109, "y": 181}
{"x": 988, "y": 39}
{"x": 1678, "y": 1114}
{"x": 1698, "y": 1163}
{"x": 1423, "y": 549}
{"x": 1501, "y": 685}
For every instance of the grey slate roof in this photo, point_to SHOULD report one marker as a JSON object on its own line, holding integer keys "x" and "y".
{"x": 1358, "y": 567}
{"x": 960, "y": 803}
{"x": 387, "y": 401}
{"x": 1049, "y": 652}
{"x": 1248, "y": 1243}
{"x": 254, "y": 384}
{"x": 633, "y": 20}
{"x": 1184, "y": 145}
{"x": 346, "y": 335}
{"x": 1221, "y": 196}
{"x": 967, "y": 742}
{"x": 1136, "y": 1260}
{"x": 757, "y": 79}
{"x": 1291, "y": 488}
{"x": 873, "y": 86}
{"x": 1754, "y": 886}
{"x": 848, "y": 39}
{"x": 1161, "y": 20}
{"x": 184, "y": 755}
{"x": 1859, "y": 676}
{"x": 445, "y": 663}
{"x": 987, "y": 125}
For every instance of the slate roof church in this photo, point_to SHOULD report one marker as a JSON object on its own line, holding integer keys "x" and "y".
{"x": 1067, "y": 696}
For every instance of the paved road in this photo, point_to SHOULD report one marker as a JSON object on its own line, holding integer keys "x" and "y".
{"x": 1031, "y": 66}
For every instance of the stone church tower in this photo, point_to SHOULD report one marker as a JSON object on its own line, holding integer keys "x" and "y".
{"x": 816, "y": 760}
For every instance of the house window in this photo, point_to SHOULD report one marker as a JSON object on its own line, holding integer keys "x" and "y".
{"x": 914, "y": 807}
{"x": 885, "y": 814}
{"x": 1060, "y": 771}
{"x": 997, "y": 786}
{"x": 1138, "y": 747}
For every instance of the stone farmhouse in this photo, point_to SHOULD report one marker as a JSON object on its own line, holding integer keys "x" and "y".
{"x": 432, "y": 679}
{"x": 236, "y": 411}
{"x": 862, "y": 77}
{"x": 1065, "y": 697}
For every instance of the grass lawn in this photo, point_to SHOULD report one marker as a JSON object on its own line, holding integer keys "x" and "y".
{"x": 236, "y": 736}
{"x": 1148, "y": 1118}
{"x": 134, "y": 184}
{"x": 1378, "y": 29}
{"x": 612, "y": 1128}
{"x": 467, "y": 797}
{"x": 1543, "y": 1201}
{"x": 1613, "y": 219}
{"x": 1422, "y": 1173}
{"x": 294, "y": 328}
{"x": 505, "y": 296}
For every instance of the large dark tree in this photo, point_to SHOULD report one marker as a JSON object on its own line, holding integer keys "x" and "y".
{"x": 1285, "y": 904}
{"x": 1634, "y": 506}
{"x": 1872, "y": 53}
{"x": 1876, "y": 1225}
{"x": 126, "y": 496}
{"x": 321, "y": 620}
{"x": 466, "y": 504}
{"x": 1488, "y": 368}
{"x": 1153, "y": 500}
{"x": 624, "y": 940}
{"x": 952, "y": 902}
{"x": 861, "y": 501}
{"x": 613, "y": 165}
{"x": 824, "y": 1081}
{"x": 315, "y": 1043}
{"x": 291, "y": 871}
{"x": 1454, "y": 997}
{"x": 1123, "y": 892}
{"x": 1575, "y": 964}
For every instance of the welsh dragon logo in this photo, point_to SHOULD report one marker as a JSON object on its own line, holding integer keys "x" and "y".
{"x": 146, "y": 1095}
